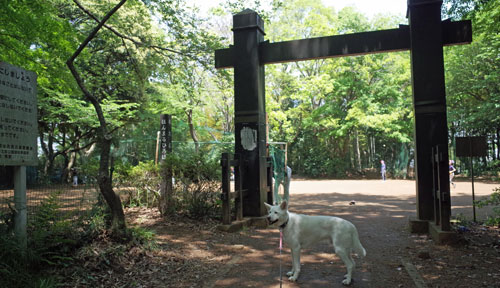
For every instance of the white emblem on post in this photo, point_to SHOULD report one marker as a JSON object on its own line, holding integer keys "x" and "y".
{"x": 248, "y": 138}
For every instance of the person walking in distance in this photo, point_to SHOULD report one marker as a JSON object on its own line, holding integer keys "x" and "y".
{"x": 382, "y": 169}
{"x": 452, "y": 172}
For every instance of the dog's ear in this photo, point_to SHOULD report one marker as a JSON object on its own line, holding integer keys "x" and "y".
{"x": 284, "y": 205}
{"x": 268, "y": 207}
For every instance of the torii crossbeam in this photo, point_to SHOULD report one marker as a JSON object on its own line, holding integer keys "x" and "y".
{"x": 382, "y": 41}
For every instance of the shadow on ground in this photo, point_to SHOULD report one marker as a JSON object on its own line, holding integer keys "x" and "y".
{"x": 381, "y": 222}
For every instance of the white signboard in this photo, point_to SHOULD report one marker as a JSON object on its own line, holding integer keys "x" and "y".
{"x": 18, "y": 116}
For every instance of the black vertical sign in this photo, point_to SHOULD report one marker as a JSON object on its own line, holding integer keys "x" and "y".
{"x": 165, "y": 135}
{"x": 166, "y": 188}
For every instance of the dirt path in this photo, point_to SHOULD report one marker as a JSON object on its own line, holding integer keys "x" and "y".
{"x": 195, "y": 254}
{"x": 381, "y": 215}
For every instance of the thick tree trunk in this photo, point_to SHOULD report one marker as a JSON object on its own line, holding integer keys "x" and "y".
{"x": 104, "y": 178}
{"x": 104, "y": 181}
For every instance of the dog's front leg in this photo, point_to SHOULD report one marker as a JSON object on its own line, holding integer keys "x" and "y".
{"x": 294, "y": 274}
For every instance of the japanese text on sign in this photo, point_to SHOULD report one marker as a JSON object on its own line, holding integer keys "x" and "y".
{"x": 165, "y": 135}
{"x": 18, "y": 116}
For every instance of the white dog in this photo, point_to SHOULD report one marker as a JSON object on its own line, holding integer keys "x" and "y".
{"x": 301, "y": 231}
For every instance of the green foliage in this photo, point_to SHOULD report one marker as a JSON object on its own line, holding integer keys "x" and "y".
{"x": 7, "y": 218}
{"x": 492, "y": 200}
{"x": 473, "y": 73}
{"x": 339, "y": 115}
{"x": 52, "y": 237}
{"x": 51, "y": 241}
{"x": 142, "y": 237}
{"x": 14, "y": 269}
{"x": 493, "y": 170}
{"x": 461, "y": 219}
{"x": 96, "y": 222}
{"x": 197, "y": 184}
{"x": 196, "y": 178}
{"x": 145, "y": 181}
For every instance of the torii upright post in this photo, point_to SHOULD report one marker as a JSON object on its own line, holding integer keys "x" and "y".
{"x": 249, "y": 110}
{"x": 429, "y": 101}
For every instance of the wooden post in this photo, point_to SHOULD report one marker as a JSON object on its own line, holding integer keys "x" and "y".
{"x": 249, "y": 110}
{"x": 226, "y": 186}
{"x": 166, "y": 204}
{"x": 472, "y": 180}
{"x": 429, "y": 101}
{"x": 270, "y": 172}
{"x": 238, "y": 187}
{"x": 20, "y": 218}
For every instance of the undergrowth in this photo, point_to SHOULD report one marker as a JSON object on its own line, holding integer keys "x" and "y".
{"x": 196, "y": 184}
{"x": 53, "y": 243}
{"x": 492, "y": 200}
{"x": 491, "y": 220}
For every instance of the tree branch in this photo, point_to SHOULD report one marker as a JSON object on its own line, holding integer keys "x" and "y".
{"x": 138, "y": 43}
{"x": 79, "y": 81}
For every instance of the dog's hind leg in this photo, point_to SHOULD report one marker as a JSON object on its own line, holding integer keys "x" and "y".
{"x": 294, "y": 274}
{"x": 349, "y": 263}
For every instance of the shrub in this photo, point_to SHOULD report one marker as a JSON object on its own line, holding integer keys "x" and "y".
{"x": 52, "y": 237}
{"x": 144, "y": 179}
{"x": 50, "y": 241}
{"x": 493, "y": 200}
{"x": 197, "y": 187}
{"x": 195, "y": 177}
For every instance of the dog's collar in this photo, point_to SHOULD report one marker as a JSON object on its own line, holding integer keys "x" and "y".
{"x": 282, "y": 226}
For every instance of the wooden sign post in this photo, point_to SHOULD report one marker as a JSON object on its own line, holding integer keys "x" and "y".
{"x": 166, "y": 185}
{"x": 472, "y": 147}
{"x": 18, "y": 134}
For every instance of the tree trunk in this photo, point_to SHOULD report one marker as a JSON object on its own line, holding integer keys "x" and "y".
{"x": 498, "y": 143}
{"x": 90, "y": 150}
{"x": 191, "y": 130}
{"x": 71, "y": 164}
{"x": 118, "y": 226}
{"x": 72, "y": 155}
{"x": 48, "y": 150}
{"x": 373, "y": 151}
{"x": 358, "y": 153}
{"x": 65, "y": 171}
{"x": 104, "y": 181}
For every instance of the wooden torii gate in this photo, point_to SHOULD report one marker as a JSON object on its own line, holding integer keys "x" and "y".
{"x": 425, "y": 37}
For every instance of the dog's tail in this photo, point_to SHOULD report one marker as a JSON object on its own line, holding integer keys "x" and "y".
{"x": 358, "y": 248}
